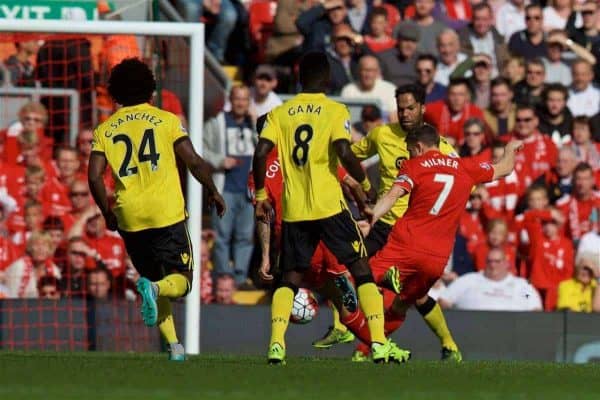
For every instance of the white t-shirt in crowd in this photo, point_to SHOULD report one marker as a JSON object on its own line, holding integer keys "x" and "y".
{"x": 585, "y": 102}
{"x": 509, "y": 19}
{"x": 473, "y": 291}
{"x": 589, "y": 246}
{"x": 443, "y": 72}
{"x": 383, "y": 91}
{"x": 270, "y": 103}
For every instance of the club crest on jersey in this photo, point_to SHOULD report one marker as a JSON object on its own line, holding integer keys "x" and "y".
{"x": 356, "y": 245}
{"x": 185, "y": 258}
{"x": 399, "y": 161}
{"x": 485, "y": 166}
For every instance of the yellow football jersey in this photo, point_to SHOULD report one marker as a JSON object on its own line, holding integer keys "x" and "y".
{"x": 303, "y": 129}
{"x": 137, "y": 142}
{"x": 389, "y": 141}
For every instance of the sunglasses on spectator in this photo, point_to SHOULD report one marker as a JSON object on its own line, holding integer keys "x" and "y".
{"x": 588, "y": 12}
{"x": 79, "y": 194}
{"x": 473, "y": 133}
{"x": 34, "y": 119}
{"x": 533, "y": 17}
{"x": 524, "y": 119}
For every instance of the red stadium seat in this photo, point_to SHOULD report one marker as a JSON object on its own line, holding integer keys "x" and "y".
{"x": 262, "y": 14}
{"x": 393, "y": 17}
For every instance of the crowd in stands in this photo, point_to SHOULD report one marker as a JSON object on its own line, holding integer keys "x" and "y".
{"x": 492, "y": 71}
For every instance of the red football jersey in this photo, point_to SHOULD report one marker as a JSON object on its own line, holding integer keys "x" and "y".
{"x": 471, "y": 229}
{"x": 538, "y": 155}
{"x": 112, "y": 252}
{"x": 439, "y": 188}
{"x": 581, "y": 214}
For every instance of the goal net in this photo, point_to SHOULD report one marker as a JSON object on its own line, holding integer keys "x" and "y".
{"x": 65, "y": 282}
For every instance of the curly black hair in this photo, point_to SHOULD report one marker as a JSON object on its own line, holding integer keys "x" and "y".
{"x": 131, "y": 82}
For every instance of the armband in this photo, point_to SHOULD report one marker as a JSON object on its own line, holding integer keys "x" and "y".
{"x": 261, "y": 195}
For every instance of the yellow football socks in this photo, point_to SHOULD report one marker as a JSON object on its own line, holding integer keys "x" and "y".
{"x": 371, "y": 303}
{"x": 281, "y": 308}
{"x": 337, "y": 324}
{"x": 437, "y": 323}
{"x": 166, "y": 324}
{"x": 173, "y": 286}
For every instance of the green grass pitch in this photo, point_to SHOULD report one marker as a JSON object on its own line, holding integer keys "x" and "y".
{"x": 90, "y": 376}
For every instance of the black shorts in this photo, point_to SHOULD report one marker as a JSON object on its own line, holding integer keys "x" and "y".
{"x": 377, "y": 237}
{"x": 339, "y": 233}
{"x": 159, "y": 251}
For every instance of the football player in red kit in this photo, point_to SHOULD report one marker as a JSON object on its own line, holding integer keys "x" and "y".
{"x": 421, "y": 241}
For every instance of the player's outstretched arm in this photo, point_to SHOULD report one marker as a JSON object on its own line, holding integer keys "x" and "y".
{"x": 97, "y": 166}
{"x": 201, "y": 170}
{"x": 386, "y": 202}
{"x": 507, "y": 163}
{"x": 352, "y": 165}
{"x": 263, "y": 208}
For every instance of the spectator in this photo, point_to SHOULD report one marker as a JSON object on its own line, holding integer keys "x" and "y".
{"x": 556, "y": 14}
{"x": 98, "y": 284}
{"x": 370, "y": 86}
{"x": 557, "y": 71}
{"x": 585, "y": 148}
{"x": 226, "y": 19}
{"x": 33, "y": 217}
{"x": 475, "y": 145}
{"x": 398, "y": 64}
{"x": 470, "y": 227}
{"x": 79, "y": 195}
{"x": 30, "y": 154}
{"x": 555, "y": 118}
{"x": 56, "y": 189}
{"x": 500, "y": 115}
{"x": 551, "y": 256}
{"x": 358, "y": 15}
{"x": 559, "y": 179}
{"x": 480, "y": 68}
{"x": 66, "y": 63}
{"x": 450, "y": 56}
{"x": 225, "y": 289}
{"x": 576, "y": 294}
{"x": 493, "y": 289}
{"x": 263, "y": 98}
{"x": 581, "y": 206}
{"x": 426, "y": 68}
{"x": 497, "y": 235}
{"x": 19, "y": 65}
{"x": 316, "y": 24}
{"x": 429, "y": 27}
{"x": 8, "y": 252}
{"x": 54, "y": 227}
{"x": 22, "y": 276}
{"x": 584, "y": 98}
{"x": 589, "y": 246}
{"x": 206, "y": 284}
{"x": 229, "y": 141}
{"x": 343, "y": 58}
{"x": 587, "y": 33}
{"x": 84, "y": 147}
{"x": 500, "y": 196}
{"x": 48, "y": 288}
{"x": 538, "y": 207}
{"x": 539, "y": 153}
{"x": 79, "y": 259}
{"x": 513, "y": 69}
{"x": 284, "y": 46}
{"x": 449, "y": 116}
{"x": 34, "y": 181}
{"x": 510, "y": 18}
{"x": 378, "y": 40}
{"x": 529, "y": 43}
{"x": 92, "y": 228}
{"x": 481, "y": 37}
{"x": 529, "y": 90}
{"x": 32, "y": 117}
{"x": 370, "y": 118}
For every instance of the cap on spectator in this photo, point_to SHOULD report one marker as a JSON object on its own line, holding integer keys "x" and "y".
{"x": 265, "y": 70}
{"x": 52, "y": 223}
{"x": 370, "y": 113}
{"x": 408, "y": 31}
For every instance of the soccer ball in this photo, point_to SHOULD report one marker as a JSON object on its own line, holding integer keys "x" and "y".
{"x": 305, "y": 307}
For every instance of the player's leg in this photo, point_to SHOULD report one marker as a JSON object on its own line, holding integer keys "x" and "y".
{"x": 377, "y": 237}
{"x": 432, "y": 313}
{"x": 298, "y": 245}
{"x": 342, "y": 236}
{"x": 342, "y": 296}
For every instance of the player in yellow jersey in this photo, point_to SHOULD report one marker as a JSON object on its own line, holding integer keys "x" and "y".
{"x": 311, "y": 132}
{"x": 139, "y": 143}
{"x": 389, "y": 142}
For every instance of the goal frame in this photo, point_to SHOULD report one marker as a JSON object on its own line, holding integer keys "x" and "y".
{"x": 195, "y": 33}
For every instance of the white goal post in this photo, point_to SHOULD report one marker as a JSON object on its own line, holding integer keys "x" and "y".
{"x": 195, "y": 32}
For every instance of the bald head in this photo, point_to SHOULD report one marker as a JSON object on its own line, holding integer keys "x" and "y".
{"x": 448, "y": 46}
{"x": 368, "y": 72}
{"x": 566, "y": 161}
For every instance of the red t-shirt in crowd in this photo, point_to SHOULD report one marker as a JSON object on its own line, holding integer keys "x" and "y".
{"x": 377, "y": 46}
{"x": 579, "y": 214}
{"x": 438, "y": 114}
{"x": 439, "y": 188}
{"x": 537, "y": 156}
{"x": 112, "y": 251}
{"x": 472, "y": 230}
